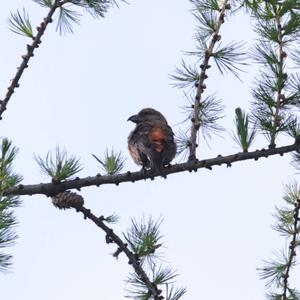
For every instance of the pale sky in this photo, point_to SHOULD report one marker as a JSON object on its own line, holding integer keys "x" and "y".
{"x": 78, "y": 92}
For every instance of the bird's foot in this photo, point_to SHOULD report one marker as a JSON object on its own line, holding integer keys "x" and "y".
{"x": 144, "y": 171}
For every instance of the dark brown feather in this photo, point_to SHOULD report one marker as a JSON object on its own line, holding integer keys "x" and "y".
{"x": 151, "y": 144}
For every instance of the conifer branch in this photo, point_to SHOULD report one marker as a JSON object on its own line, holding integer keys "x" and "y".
{"x": 276, "y": 93}
{"x": 277, "y": 270}
{"x": 50, "y": 189}
{"x": 7, "y": 219}
{"x": 292, "y": 248}
{"x": 280, "y": 96}
{"x": 133, "y": 259}
{"x": 196, "y": 122}
{"x": 25, "y": 58}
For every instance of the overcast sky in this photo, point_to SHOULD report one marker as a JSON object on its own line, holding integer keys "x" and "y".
{"x": 78, "y": 92}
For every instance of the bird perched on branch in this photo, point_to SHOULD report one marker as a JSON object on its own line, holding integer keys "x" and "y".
{"x": 151, "y": 144}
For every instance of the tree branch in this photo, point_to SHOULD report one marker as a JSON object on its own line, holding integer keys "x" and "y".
{"x": 50, "y": 189}
{"x": 281, "y": 57}
{"x": 30, "y": 53}
{"x": 200, "y": 84}
{"x": 132, "y": 258}
{"x": 292, "y": 249}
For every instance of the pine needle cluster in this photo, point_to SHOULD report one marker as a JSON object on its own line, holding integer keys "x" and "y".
{"x": 69, "y": 13}
{"x": 277, "y": 271}
{"x": 144, "y": 239}
{"x": 7, "y": 219}
{"x": 245, "y": 134}
{"x": 59, "y": 166}
{"x": 112, "y": 162}
{"x": 204, "y": 113}
{"x": 277, "y": 91}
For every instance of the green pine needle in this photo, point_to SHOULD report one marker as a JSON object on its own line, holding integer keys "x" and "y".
{"x": 293, "y": 129}
{"x": 113, "y": 219}
{"x": 8, "y": 154}
{"x": 265, "y": 54}
{"x": 97, "y": 8}
{"x": 139, "y": 289}
{"x": 229, "y": 57}
{"x": 207, "y": 22}
{"x": 277, "y": 270}
{"x": 66, "y": 19}
{"x": 59, "y": 166}
{"x": 285, "y": 215}
{"x": 276, "y": 92}
{"x": 291, "y": 27}
{"x": 296, "y": 160}
{"x": 293, "y": 294}
{"x": 182, "y": 139}
{"x": 7, "y": 220}
{"x": 185, "y": 75}
{"x": 20, "y": 24}
{"x": 5, "y": 261}
{"x": 112, "y": 163}
{"x": 164, "y": 275}
{"x": 244, "y": 136}
{"x": 291, "y": 193}
{"x": 201, "y": 45}
{"x": 44, "y": 3}
{"x": 175, "y": 294}
{"x": 274, "y": 296}
{"x": 210, "y": 113}
{"x": 292, "y": 96}
{"x": 264, "y": 114}
{"x": 285, "y": 221}
{"x": 211, "y": 110}
{"x": 295, "y": 55}
{"x": 267, "y": 29}
{"x": 144, "y": 237}
{"x": 274, "y": 269}
{"x": 205, "y": 5}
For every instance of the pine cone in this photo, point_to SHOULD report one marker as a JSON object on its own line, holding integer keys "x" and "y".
{"x": 67, "y": 200}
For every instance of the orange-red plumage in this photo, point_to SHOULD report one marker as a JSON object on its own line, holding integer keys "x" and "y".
{"x": 158, "y": 138}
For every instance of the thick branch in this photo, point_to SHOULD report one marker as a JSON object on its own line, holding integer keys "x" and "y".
{"x": 196, "y": 122}
{"x": 30, "y": 50}
{"x": 292, "y": 250}
{"x": 50, "y": 189}
{"x": 133, "y": 259}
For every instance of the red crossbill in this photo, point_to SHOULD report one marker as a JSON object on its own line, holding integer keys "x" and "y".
{"x": 151, "y": 144}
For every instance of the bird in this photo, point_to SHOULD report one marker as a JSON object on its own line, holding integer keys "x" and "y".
{"x": 151, "y": 143}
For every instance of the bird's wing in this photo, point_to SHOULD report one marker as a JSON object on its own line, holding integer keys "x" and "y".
{"x": 139, "y": 144}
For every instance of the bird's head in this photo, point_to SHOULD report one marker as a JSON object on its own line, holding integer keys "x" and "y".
{"x": 147, "y": 115}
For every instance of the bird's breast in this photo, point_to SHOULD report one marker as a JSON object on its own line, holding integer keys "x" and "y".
{"x": 158, "y": 138}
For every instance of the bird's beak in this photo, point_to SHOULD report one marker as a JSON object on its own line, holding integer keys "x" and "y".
{"x": 134, "y": 119}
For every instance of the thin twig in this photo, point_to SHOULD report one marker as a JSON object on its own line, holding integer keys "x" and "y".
{"x": 292, "y": 249}
{"x": 25, "y": 58}
{"x": 280, "y": 96}
{"x": 196, "y": 122}
{"x": 50, "y": 189}
{"x": 132, "y": 258}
